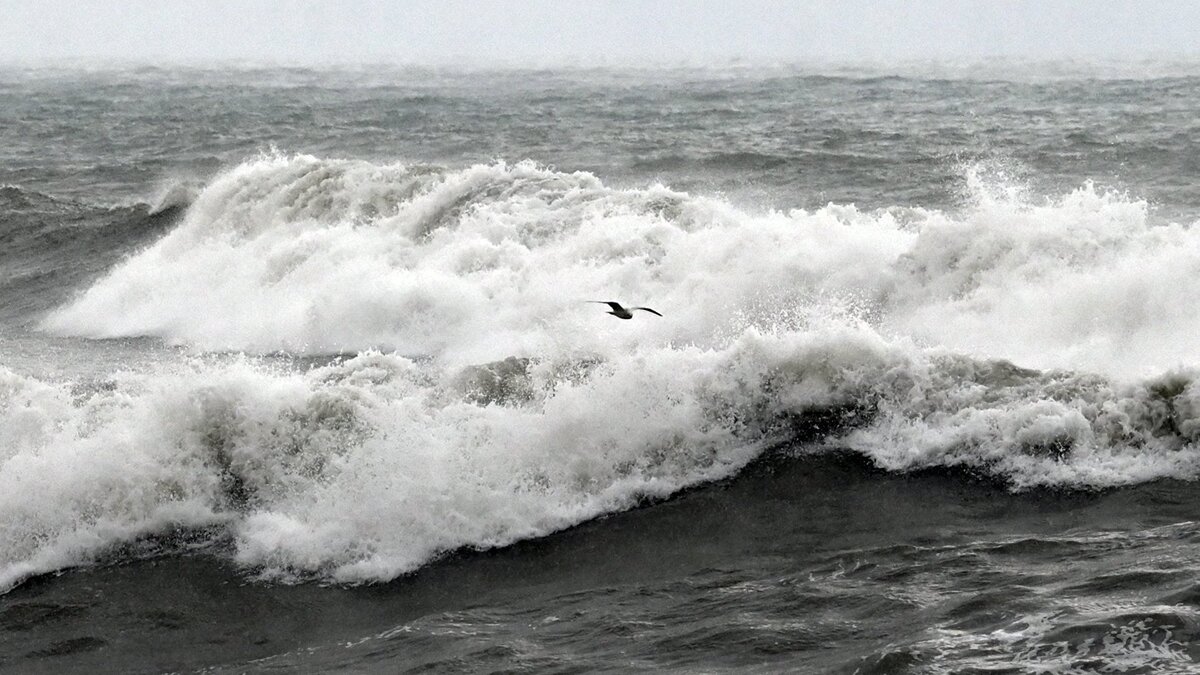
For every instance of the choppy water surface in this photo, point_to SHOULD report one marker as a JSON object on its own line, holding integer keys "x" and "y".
{"x": 297, "y": 370}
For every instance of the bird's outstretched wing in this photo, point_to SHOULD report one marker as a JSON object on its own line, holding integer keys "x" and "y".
{"x": 647, "y": 309}
{"x": 615, "y": 305}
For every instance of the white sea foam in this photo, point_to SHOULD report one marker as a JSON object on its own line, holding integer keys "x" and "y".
{"x": 530, "y": 411}
{"x": 319, "y": 256}
{"x": 308, "y": 255}
{"x": 368, "y": 468}
{"x": 1084, "y": 281}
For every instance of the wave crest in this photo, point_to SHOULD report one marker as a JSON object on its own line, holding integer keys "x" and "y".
{"x": 296, "y": 253}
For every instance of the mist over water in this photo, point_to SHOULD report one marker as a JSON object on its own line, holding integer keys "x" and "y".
{"x": 332, "y": 327}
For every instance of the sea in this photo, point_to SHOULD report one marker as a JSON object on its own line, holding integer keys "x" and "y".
{"x": 305, "y": 369}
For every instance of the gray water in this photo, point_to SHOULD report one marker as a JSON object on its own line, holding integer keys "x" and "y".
{"x": 787, "y": 137}
{"x": 297, "y": 372}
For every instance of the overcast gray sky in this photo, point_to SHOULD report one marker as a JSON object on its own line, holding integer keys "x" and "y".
{"x": 612, "y": 31}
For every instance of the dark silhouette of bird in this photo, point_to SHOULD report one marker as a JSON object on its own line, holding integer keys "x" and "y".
{"x": 620, "y": 312}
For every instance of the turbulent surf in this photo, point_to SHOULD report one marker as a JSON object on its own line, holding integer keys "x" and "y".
{"x": 323, "y": 366}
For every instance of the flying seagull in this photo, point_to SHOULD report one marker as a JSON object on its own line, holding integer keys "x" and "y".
{"x": 620, "y": 312}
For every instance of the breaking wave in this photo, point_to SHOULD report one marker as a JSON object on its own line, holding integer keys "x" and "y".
{"x": 480, "y": 401}
{"x": 367, "y": 468}
{"x": 299, "y": 254}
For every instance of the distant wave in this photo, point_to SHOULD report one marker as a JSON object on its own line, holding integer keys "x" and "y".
{"x": 725, "y": 160}
{"x": 175, "y": 194}
{"x": 50, "y": 246}
{"x": 14, "y": 197}
{"x": 996, "y": 68}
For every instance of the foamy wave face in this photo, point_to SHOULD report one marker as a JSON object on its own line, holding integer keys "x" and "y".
{"x": 1082, "y": 282}
{"x": 307, "y": 255}
{"x": 368, "y": 468}
{"x": 318, "y": 256}
{"x": 1035, "y": 429}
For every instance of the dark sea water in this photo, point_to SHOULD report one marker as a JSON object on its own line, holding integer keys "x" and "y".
{"x": 298, "y": 372}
